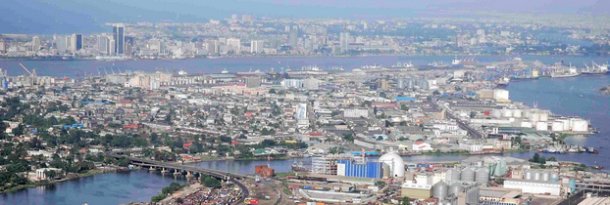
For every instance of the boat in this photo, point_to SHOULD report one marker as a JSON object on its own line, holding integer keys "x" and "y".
{"x": 299, "y": 167}
{"x": 563, "y": 73}
{"x": 597, "y": 167}
{"x": 595, "y": 69}
{"x": 592, "y": 150}
{"x": 502, "y": 82}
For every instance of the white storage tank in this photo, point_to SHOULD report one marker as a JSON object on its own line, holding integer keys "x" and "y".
{"x": 566, "y": 123}
{"x": 452, "y": 175}
{"x": 517, "y": 113}
{"x": 482, "y": 176}
{"x": 507, "y": 113}
{"x": 542, "y": 126}
{"x": 496, "y": 113}
{"x": 557, "y": 126}
{"x": 546, "y": 176}
{"x": 440, "y": 190}
{"x": 455, "y": 189}
{"x": 534, "y": 117}
{"x": 579, "y": 125}
{"x": 544, "y": 116}
{"x": 554, "y": 177}
{"x": 468, "y": 175}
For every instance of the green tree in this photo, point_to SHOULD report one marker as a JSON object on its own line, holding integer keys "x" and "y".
{"x": 211, "y": 182}
{"x": 405, "y": 201}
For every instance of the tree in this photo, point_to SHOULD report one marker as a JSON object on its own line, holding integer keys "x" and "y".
{"x": 211, "y": 182}
{"x": 405, "y": 201}
{"x": 50, "y": 174}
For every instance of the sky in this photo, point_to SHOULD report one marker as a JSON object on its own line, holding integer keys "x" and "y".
{"x": 85, "y": 16}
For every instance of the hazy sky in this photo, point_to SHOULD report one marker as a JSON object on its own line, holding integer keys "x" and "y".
{"x": 56, "y": 16}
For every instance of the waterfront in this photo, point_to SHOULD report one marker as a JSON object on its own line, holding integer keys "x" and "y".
{"x": 567, "y": 96}
{"x": 80, "y": 68}
{"x": 102, "y": 189}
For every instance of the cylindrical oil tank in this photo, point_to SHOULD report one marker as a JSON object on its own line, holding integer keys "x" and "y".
{"x": 517, "y": 113}
{"x": 482, "y": 176}
{"x": 554, "y": 177}
{"x": 546, "y": 176}
{"x": 453, "y": 175}
{"x": 455, "y": 189}
{"x": 537, "y": 176}
{"x": 468, "y": 175}
{"x": 439, "y": 190}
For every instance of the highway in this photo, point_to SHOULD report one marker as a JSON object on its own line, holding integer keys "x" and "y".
{"x": 463, "y": 125}
{"x": 235, "y": 178}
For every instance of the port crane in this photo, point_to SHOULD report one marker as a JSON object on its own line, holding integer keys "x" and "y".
{"x": 32, "y": 73}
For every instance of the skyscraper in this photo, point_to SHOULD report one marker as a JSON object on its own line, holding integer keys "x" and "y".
{"x": 76, "y": 42}
{"x": 256, "y": 46}
{"x": 118, "y": 31}
{"x": 344, "y": 39}
{"x": 35, "y": 43}
{"x": 103, "y": 44}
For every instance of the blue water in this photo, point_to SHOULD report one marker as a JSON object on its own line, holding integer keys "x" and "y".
{"x": 80, "y": 68}
{"x": 577, "y": 96}
{"x": 103, "y": 189}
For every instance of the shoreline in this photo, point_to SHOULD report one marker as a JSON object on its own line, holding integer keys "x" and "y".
{"x": 46, "y": 183}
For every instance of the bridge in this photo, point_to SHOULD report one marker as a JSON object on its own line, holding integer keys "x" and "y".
{"x": 191, "y": 171}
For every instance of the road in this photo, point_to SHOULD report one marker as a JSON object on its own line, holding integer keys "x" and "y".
{"x": 190, "y": 169}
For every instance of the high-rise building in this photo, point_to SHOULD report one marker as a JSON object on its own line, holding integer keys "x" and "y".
{"x": 234, "y": 45}
{"x": 103, "y": 44}
{"x": 35, "y": 43}
{"x": 256, "y": 46}
{"x": 293, "y": 37}
{"x": 212, "y": 47}
{"x": 2, "y": 46}
{"x": 76, "y": 42}
{"x": 344, "y": 40}
{"x": 118, "y": 32}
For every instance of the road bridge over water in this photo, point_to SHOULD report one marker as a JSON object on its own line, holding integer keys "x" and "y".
{"x": 191, "y": 171}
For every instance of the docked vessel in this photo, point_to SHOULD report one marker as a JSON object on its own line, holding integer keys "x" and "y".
{"x": 564, "y": 73}
{"x": 595, "y": 69}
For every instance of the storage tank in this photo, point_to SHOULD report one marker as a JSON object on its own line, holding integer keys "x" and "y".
{"x": 507, "y": 113}
{"x": 542, "y": 126}
{"x": 544, "y": 116}
{"x": 452, "y": 175}
{"x": 496, "y": 113}
{"x": 546, "y": 176}
{"x": 482, "y": 176}
{"x": 517, "y": 113}
{"x": 468, "y": 175}
{"x": 455, "y": 189}
{"x": 439, "y": 190}
{"x": 537, "y": 176}
{"x": 554, "y": 177}
{"x": 557, "y": 126}
{"x": 534, "y": 117}
{"x": 579, "y": 125}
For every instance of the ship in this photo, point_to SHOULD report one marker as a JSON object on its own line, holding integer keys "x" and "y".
{"x": 299, "y": 167}
{"x": 502, "y": 82}
{"x": 564, "y": 73}
{"x": 595, "y": 69}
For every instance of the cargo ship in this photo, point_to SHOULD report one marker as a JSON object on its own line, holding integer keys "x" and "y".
{"x": 595, "y": 69}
